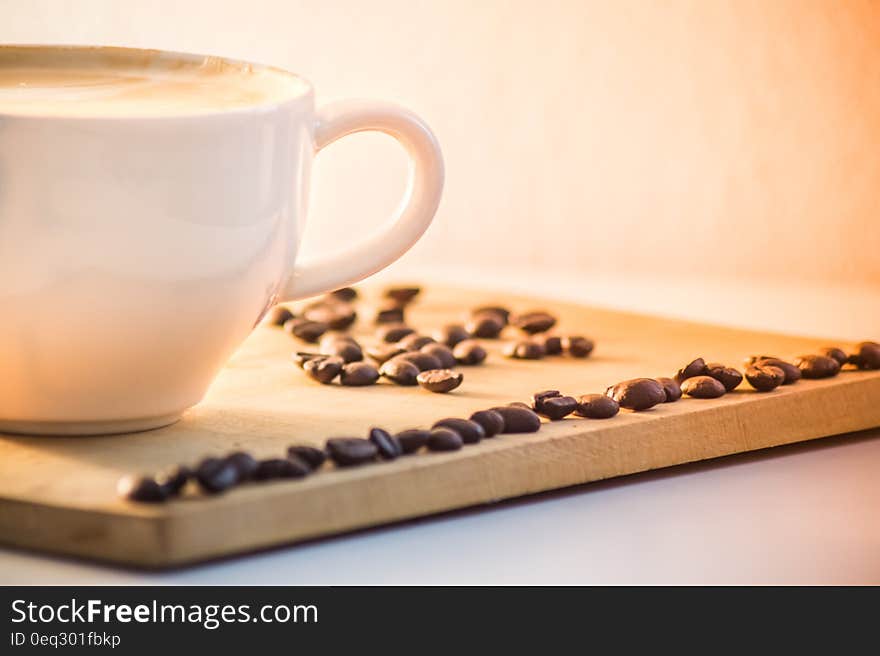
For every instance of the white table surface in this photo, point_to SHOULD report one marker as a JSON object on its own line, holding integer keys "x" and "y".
{"x": 804, "y": 513}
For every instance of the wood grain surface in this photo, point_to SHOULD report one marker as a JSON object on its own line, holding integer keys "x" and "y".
{"x": 58, "y": 494}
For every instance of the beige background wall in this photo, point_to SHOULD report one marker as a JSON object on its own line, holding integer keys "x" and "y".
{"x": 708, "y": 159}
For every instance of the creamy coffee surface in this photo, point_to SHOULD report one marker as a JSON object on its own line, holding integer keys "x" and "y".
{"x": 78, "y": 81}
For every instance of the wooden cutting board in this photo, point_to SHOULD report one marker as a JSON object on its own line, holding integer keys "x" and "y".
{"x": 58, "y": 494}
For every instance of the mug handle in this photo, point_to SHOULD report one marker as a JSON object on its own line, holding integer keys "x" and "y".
{"x": 328, "y": 272}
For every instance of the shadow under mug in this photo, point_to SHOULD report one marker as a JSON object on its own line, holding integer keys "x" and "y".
{"x": 138, "y": 251}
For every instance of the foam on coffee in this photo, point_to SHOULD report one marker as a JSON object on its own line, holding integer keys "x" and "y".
{"x": 84, "y": 81}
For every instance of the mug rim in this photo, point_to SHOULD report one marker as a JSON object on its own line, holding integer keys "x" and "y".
{"x": 299, "y": 89}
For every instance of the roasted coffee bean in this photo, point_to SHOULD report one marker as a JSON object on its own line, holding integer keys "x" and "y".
{"x": 637, "y": 394}
{"x": 392, "y": 313}
{"x": 439, "y": 381}
{"x": 442, "y": 352}
{"x": 518, "y": 418}
{"x": 402, "y": 295}
{"x": 324, "y": 369}
{"x": 313, "y": 456}
{"x": 279, "y": 315}
{"x": 414, "y": 342}
{"x": 245, "y": 464}
{"x": 400, "y": 371}
{"x": 792, "y": 373}
{"x": 336, "y": 314}
{"x": 703, "y": 387}
{"x": 470, "y": 431}
{"x": 173, "y": 480}
{"x": 764, "y": 377}
{"x": 835, "y": 354}
{"x": 216, "y": 475}
{"x": 306, "y": 330}
{"x": 301, "y": 357}
{"x": 469, "y": 352}
{"x": 274, "y": 468}
{"x": 577, "y": 346}
{"x": 491, "y": 421}
{"x": 444, "y": 439}
{"x": 384, "y": 352}
{"x": 345, "y": 294}
{"x": 695, "y": 368}
{"x": 487, "y": 325}
{"x": 359, "y": 374}
{"x": 386, "y": 444}
{"x": 412, "y": 440}
{"x": 534, "y": 322}
{"x": 527, "y": 349}
{"x": 350, "y": 451}
{"x": 671, "y": 388}
{"x": 539, "y": 397}
{"x": 451, "y": 334}
{"x": 817, "y": 366}
{"x": 141, "y": 488}
{"x": 502, "y": 313}
{"x": 557, "y": 407}
{"x": 552, "y": 344}
{"x": 727, "y": 376}
{"x": 424, "y": 361}
{"x": 393, "y": 332}
{"x": 596, "y": 406}
{"x": 347, "y": 349}
{"x": 867, "y": 355}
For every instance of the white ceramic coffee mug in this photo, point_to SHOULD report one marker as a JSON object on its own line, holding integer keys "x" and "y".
{"x": 138, "y": 251}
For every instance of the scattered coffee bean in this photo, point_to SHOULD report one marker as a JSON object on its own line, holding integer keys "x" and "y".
{"x": 276, "y": 468}
{"x": 386, "y": 444}
{"x": 539, "y": 397}
{"x": 424, "y": 361}
{"x": 304, "y": 329}
{"x": 637, "y": 394}
{"x": 727, "y": 376}
{"x": 359, "y": 374}
{"x": 792, "y": 373}
{"x": 439, "y": 380}
{"x": 469, "y": 352}
{"x": 346, "y": 348}
{"x": 296, "y": 467}
{"x": 141, "y": 488}
{"x": 835, "y": 354}
{"x": 390, "y": 314}
{"x": 313, "y": 456}
{"x": 552, "y": 344}
{"x": 442, "y": 352}
{"x": 412, "y": 440}
{"x": 279, "y": 315}
{"x": 527, "y": 349}
{"x": 384, "y": 352}
{"x": 557, "y": 407}
{"x": 502, "y": 313}
{"x": 324, "y": 369}
{"x": 400, "y": 371}
{"x": 216, "y": 475}
{"x": 301, "y": 357}
{"x": 703, "y": 387}
{"x": 534, "y": 322}
{"x": 695, "y": 368}
{"x": 491, "y": 421}
{"x": 444, "y": 439}
{"x": 817, "y": 366}
{"x": 345, "y": 294}
{"x": 336, "y": 314}
{"x": 518, "y": 418}
{"x": 393, "y": 332}
{"x": 350, "y": 451}
{"x": 487, "y": 325}
{"x": 451, "y": 334}
{"x": 671, "y": 388}
{"x": 414, "y": 342}
{"x": 596, "y": 406}
{"x": 578, "y": 347}
{"x": 471, "y": 432}
{"x": 402, "y": 295}
{"x": 174, "y": 479}
{"x": 764, "y": 377}
{"x": 867, "y": 355}
{"x": 245, "y": 464}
